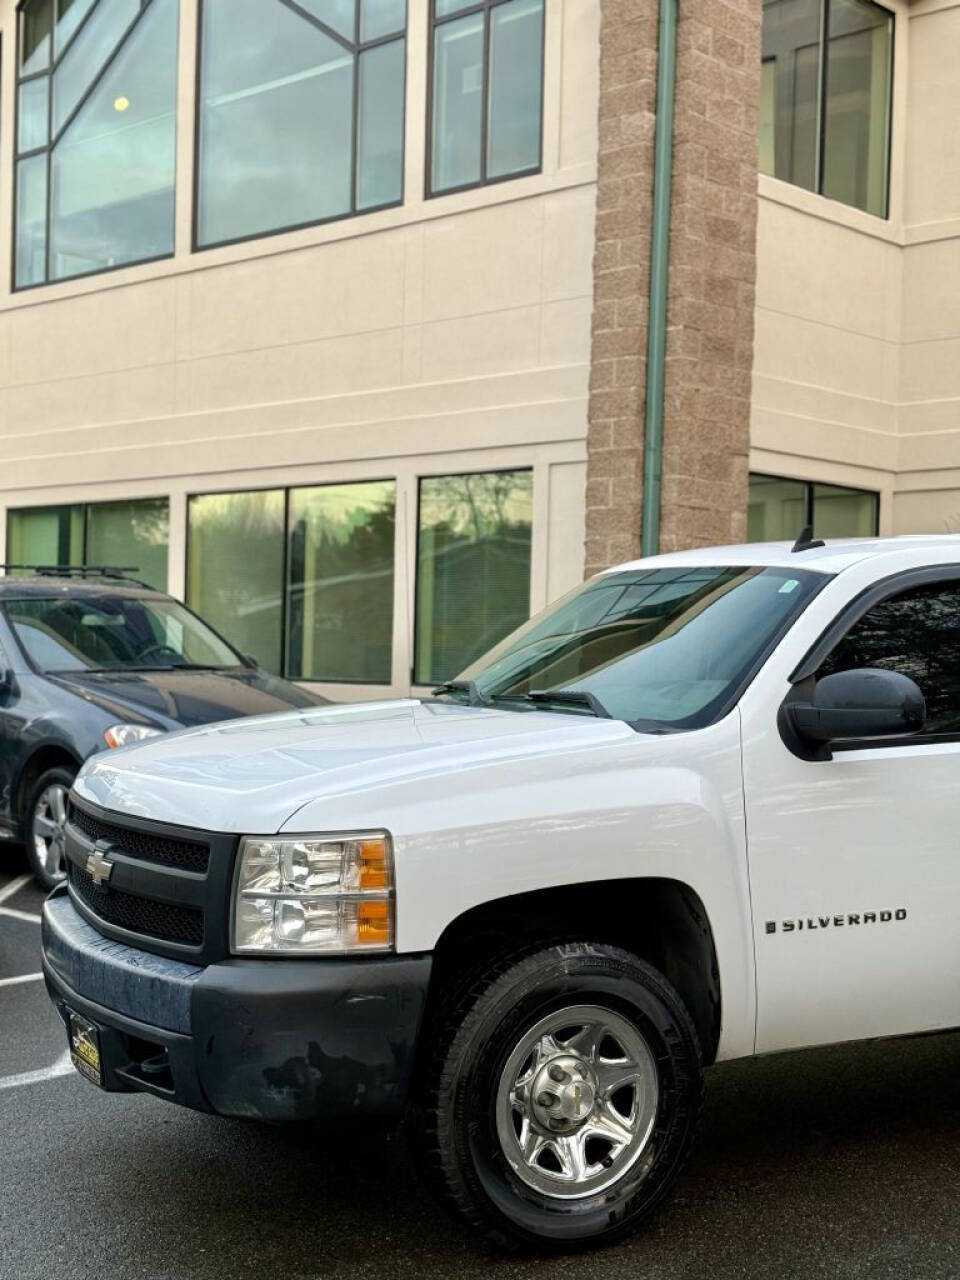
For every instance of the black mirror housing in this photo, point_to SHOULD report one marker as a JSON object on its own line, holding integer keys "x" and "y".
{"x": 860, "y": 704}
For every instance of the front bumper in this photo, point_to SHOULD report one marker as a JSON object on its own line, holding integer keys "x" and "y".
{"x": 275, "y": 1040}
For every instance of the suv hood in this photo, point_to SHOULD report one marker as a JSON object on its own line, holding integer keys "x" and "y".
{"x": 177, "y": 699}
{"x": 254, "y": 776}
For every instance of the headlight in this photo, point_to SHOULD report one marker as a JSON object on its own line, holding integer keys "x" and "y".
{"x": 122, "y": 735}
{"x": 310, "y": 894}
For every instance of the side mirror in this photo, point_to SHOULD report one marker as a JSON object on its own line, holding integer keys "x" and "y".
{"x": 865, "y": 703}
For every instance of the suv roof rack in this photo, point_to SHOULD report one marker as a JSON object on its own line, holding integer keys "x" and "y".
{"x": 110, "y": 572}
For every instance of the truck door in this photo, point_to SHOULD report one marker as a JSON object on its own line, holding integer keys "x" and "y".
{"x": 855, "y": 860}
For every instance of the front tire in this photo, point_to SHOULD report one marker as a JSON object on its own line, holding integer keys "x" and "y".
{"x": 45, "y": 823}
{"x": 562, "y": 1096}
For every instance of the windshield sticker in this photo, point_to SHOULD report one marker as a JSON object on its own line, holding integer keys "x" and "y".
{"x": 789, "y": 586}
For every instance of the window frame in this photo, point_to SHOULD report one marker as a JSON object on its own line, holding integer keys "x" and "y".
{"x": 823, "y": 77}
{"x": 415, "y": 565}
{"x": 438, "y": 20}
{"x": 85, "y": 541}
{"x": 836, "y": 631}
{"x": 47, "y": 150}
{"x": 810, "y": 496}
{"x": 357, "y": 47}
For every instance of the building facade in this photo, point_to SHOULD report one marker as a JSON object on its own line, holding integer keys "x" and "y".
{"x": 332, "y": 316}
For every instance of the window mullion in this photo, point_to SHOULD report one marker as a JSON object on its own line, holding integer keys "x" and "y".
{"x": 321, "y": 25}
{"x": 485, "y": 106}
{"x": 94, "y": 83}
{"x": 56, "y": 59}
{"x": 822, "y": 97}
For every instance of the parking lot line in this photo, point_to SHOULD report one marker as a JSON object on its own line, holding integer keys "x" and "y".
{"x": 13, "y": 887}
{"x": 62, "y": 1067}
{"x": 20, "y": 915}
{"x": 23, "y": 977}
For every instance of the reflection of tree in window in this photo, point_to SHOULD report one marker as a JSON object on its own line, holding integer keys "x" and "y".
{"x": 473, "y": 567}
{"x": 918, "y": 634}
{"x": 340, "y": 582}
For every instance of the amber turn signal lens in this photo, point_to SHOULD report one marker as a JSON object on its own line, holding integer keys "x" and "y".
{"x": 374, "y": 926}
{"x": 374, "y": 865}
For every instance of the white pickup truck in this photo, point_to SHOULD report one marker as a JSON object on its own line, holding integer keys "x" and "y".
{"x": 705, "y": 806}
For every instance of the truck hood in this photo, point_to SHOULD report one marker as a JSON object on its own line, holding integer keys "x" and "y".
{"x": 253, "y": 776}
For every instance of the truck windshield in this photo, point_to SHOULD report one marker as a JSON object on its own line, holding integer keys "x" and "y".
{"x": 102, "y": 632}
{"x": 664, "y": 649}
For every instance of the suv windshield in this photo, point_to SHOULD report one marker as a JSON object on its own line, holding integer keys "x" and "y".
{"x": 102, "y": 632}
{"x": 663, "y": 649}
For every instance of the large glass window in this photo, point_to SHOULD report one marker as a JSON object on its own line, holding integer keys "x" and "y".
{"x": 340, "y": 583}
{"x": 302, "y": 579}
{"x": 235, "y": 556}
{"x": 780, "y": 508}
{"x": 473, "y": 567}
{"x": 486, "y": 91}
{"x": 825, "y": 102}
{"x": 918, "y": 634}
{"x": 301, "y": 113}
{"x": 131, "y": 535}
{"x": 96, "y": 136}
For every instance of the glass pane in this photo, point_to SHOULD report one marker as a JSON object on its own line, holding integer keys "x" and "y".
{"x": 277, "y": 119}
{"x": 777, "y": 509}
{"x": 85, "y": 58}
{"x": 766, "y": 129}
{"x": 791, "y": 46}
{"x": 843, "y": 513}
{"x": 858, "y": 105}
{"x": 32, "y": 221}
{"x": 516, "y": 87}
{"x": 457, "y": 103}
{"x": 918, "y": 634}
{"x": 33, "y": 110}
{"x": 473, "y": 567}
{"x": 37, "y": 21}
{"x": 452, "y": 6}
{"x": 235, "y": 568}
{"x": 380, "y": 125}
{"x": 382, "y": 18}
{"x": 70, "y": 13}
{"x": 341, "y": 583}
{"x": 339, "y": 15}
{"x": 45, "y": 536}
{"x": 131, "y": 535}
{"x": 114, "y": 169}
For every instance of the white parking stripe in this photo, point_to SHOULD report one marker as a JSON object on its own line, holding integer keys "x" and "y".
{"x": 19, "y": 915}
{"x": 13, "y": 887}
{"x": 24, "y": 977}
{"x": 62, "y": 1067}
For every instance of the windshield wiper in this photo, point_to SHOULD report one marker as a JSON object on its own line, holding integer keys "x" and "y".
{"x": 470, "y": 687}
{"x": 570, "y": 698}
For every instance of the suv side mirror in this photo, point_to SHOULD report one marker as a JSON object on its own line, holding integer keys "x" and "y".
{"x": 865, "y": 703}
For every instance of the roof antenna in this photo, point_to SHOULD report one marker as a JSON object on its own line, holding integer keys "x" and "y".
{"x": 806, "y": 541}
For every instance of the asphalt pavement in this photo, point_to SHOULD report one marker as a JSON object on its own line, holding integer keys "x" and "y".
{"x": 841, "y": 1162}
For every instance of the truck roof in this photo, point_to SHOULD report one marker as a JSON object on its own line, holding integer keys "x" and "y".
{"x": 838, "y": 553}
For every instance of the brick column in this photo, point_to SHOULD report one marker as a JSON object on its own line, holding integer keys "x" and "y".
{"x": 712, "y": 269}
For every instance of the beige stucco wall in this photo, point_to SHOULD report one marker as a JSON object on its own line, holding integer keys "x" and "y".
{"x": 450, "y": 334}
{"x": 857, "y": 370}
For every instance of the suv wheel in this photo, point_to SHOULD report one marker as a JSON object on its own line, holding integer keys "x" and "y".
{"x": 45, "y": 826}
{"x": 562, "y": 1097}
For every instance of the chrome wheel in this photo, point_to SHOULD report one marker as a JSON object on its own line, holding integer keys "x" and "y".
{"x": 48, "y": 831}
{"x": 577, "y": 1101}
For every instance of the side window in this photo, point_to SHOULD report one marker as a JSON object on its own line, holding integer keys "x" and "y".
{"x": 918, "y": 634}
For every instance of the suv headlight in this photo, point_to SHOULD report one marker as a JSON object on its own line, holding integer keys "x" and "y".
{"x": 123, "y": 735}
{"x": 310, "y": 894}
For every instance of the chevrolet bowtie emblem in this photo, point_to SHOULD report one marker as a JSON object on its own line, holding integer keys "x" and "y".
{"x": 98, "y": 868}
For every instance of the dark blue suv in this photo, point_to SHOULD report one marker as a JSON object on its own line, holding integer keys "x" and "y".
{"x": 89, "y": 661}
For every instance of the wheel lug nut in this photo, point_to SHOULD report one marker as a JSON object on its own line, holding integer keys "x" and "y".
{"x": 557, "y": 1073}
{"x": 546, "y": 1100}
